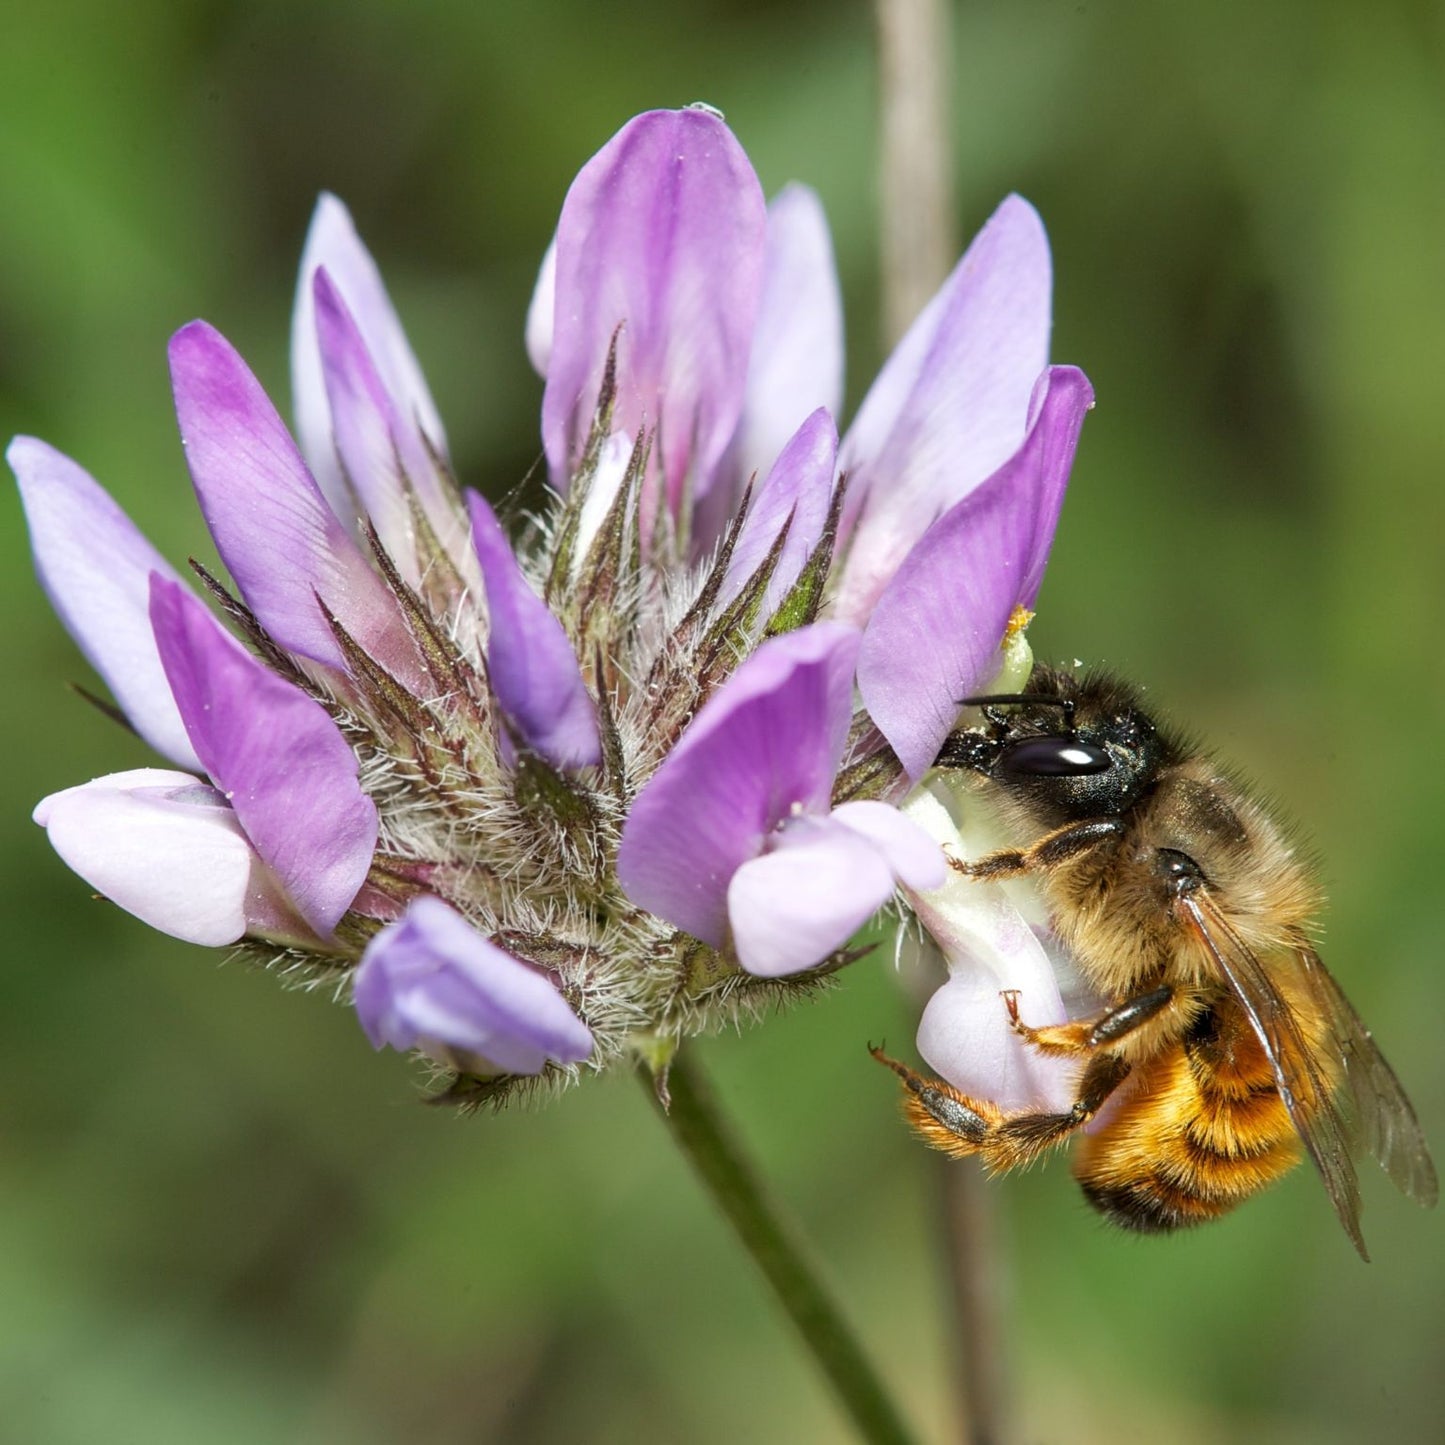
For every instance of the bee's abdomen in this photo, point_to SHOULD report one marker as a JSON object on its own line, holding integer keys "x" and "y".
{"x": 1193, "y": 1138}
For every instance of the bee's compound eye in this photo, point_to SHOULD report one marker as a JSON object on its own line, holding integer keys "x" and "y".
{"x": 1054, "y": 758}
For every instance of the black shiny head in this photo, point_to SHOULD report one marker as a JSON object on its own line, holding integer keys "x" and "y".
{"x": 1068, "y": 748}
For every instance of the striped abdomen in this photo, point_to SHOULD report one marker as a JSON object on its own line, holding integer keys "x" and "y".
{"x": 1201, "y": 1128}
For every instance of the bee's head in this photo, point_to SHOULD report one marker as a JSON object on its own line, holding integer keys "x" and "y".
{"x": 1067, "y": 748}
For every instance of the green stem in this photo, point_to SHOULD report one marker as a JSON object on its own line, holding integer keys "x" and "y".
{"x": 697, "y": 1126}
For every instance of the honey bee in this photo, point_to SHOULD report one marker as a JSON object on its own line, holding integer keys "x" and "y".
{"x": 1226, "y": 1048}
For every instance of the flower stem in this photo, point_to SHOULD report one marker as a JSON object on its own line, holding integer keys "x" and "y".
{"x": 701, "y": 1134}
{"x": 969, "y": 1226}
{"x": 915, "y": 173}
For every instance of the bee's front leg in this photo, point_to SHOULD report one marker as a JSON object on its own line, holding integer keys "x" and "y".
{"x": 1050, "y": 851}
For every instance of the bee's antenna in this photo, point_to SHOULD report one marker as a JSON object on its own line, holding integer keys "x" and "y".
{"x": 995, "y": 699}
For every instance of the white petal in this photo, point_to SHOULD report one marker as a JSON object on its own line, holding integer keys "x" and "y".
{"x": 541, "y": 311}
{"x": 95, "y": 567}
{"x": 916, "y": 860}
{"x": 990, "y": 946}
{"x": 179, "y": 863}
{"x": 791, "y": 908}
{"x": 796, "y": 362}
{"x": 333, "y": 242}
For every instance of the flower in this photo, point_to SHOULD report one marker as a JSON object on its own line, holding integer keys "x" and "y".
{"x": 533, "y": 807}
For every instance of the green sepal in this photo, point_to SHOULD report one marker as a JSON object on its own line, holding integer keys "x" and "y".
{"x": 805, "y": 596}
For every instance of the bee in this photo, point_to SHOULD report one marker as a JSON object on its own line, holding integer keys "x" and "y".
{"x": 1225, "y": 1049}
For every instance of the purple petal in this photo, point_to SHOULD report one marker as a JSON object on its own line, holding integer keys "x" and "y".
{"x": 763, "y": 749}
{"x": 951, "y": 404}
{"x": 662, "y": 233}
{"x": 913, "y": 857}
{"x": 541, "y": 312}
{"x": 95, "y": 567}
{"x": 431, "y": 981}
{"x": 530, "y": 660}
{"x": 382, "y": 452}
{"x": 795, "y": 905}
{"x": 161, "y": 845}
{"x": 332, "y": 243}
{"x": 276, "y": 755}
{"x": 796, "y": 362}
{"x": 275, "y": 531}
{"x": 800, "y": 486}
{"x": 935, "y": 633}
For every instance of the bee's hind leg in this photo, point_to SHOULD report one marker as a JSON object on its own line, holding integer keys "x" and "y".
{"x": 959, "y": 1126}
{"x": 941, "y": 1116}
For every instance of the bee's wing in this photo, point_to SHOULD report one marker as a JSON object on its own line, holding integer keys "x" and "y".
{"x": 1304, "y": 1085}
{"x": 1382, "y": 1115}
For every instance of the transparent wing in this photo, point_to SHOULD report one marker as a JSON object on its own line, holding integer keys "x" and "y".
{"x": 1304, "y": 1080}
{"x": 1383, "y": 1117}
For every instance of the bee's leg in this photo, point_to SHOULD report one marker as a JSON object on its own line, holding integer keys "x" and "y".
{"x": 1050, "y": 850}
{"x": 940, "y": 1115}
{"x": 959, "y": 1126}
{"x": 1021, "y": 1138}
{"x": 1085, "y": 1035}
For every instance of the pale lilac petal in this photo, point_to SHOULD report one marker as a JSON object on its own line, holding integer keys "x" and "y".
{"x": 276, "y": 533}
{"x": 614, "y": 458}
{"x": 796, "y": 362}
{"x": 541, "y": 311}
{"x": 763, "y": 749}
{"x": 966, "y": 1038}
{"x": 662, "y": 234}
{"x": 935, "y": 633}
{"x": 804, "y": 900}
{"x": 332, "y": 243}
{"x": 951, "y": 404}
{"x": 161, "y": 845}
{"x": 131, "y": 779}
{"x": 95, "y": 567}
{"x": 431, "y": 981}
{"x": 914, "y": 858}
{"x": 382, "y": 453}
{"x": 530, "y": 660}
{"x": 989, "y": 946}
{"x": 377, "y": 452}
{"x": 800, "y": 486}
{"x": 275, "y": 753}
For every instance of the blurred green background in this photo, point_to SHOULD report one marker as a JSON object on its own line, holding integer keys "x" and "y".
{"x": 222, "y": 1218}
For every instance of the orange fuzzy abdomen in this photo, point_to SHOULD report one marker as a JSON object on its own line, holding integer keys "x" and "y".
{"x": 1194, "y": 1137}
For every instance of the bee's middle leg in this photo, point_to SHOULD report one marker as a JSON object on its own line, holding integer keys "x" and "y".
{"x": 1085, "y": 1035}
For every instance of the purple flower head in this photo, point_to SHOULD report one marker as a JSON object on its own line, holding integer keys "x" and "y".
{"x": 575, "y": 794}
{"x": 432, "y": 982}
